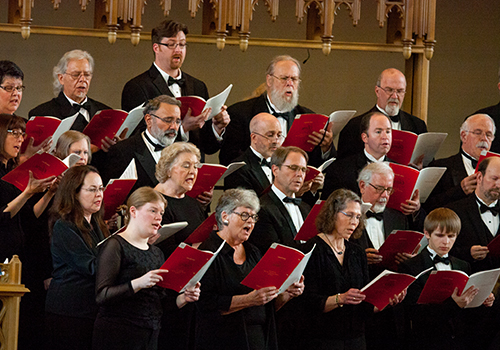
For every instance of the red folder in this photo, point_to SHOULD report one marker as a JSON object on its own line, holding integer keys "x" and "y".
{"x": 104, "y": 123}
{"x": 485, "y": 155}
{"x": 403, "y": 143}
{"x": 494, "y": 246}
{"x": 41, "y": 165}
{"x": 208, "y": 175}
{"x": 398, "y": 242}
{"x": 203, "y": 231}
{"x": 302, "y": 127}
{"x": 115, "y": 195}
{"x": 196, "y": 103}
{"x": 440, "y": 286}
{"x": 308, "y": 229}
{"x": 39, "y": 128}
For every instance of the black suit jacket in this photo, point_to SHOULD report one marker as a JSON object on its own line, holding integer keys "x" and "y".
{"x": 61, "y": 108}
{"x": 448, "y": 189}
{"x": 120, "y": 155}
{"x": 433, "y": 326}
{"x": 494, "y": 113}
{"x": 237, "y": 137}
{"x": 473, "y": 232}
{"x": 151, "y": 84}
{"x": 275, "y": 224}
{"x": 350, "y": 137}
{"x": 251, "y": 176}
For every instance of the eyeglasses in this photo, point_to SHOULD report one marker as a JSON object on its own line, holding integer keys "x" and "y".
{"x": 173, "y": 45}
{"x": 389, "y": 91}
{"x": 77, "y": 75}
{"x": 94, "y": 190}
{"x": 284, "y": 80}
{"x": 10, "y": 89}
{"x": 382, "y": 189}
{"x": 351, "y": 216}
{"x": 168, "y": 120}
{"x": 246, "y": 216}
{"x": 479, "y": 133}
{"x": 17, "y": 134}
{"x": 278, "y": 137}
{"x": 296, "y": 168}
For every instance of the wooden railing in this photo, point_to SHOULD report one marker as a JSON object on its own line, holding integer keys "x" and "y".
{"x": 11, "y": 291}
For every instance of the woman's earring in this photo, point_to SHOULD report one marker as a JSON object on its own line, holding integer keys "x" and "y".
{"x": 225, "y": 222}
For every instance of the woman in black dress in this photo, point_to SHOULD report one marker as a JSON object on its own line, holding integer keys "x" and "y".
{"x": 231, "y": 315}
{"x": 127, "y": 272}
{"x": 76, "y": 227}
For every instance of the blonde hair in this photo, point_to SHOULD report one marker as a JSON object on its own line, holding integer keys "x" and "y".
{"x": 169, "y": 156}
{"x": 143, "y": 196}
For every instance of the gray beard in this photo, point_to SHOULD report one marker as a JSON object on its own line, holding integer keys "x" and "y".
{"x": 378, "y": 208}
{"x": 281, "y": 103}
{"x": 392, "y": 110}
{"x": 160, "y": 136}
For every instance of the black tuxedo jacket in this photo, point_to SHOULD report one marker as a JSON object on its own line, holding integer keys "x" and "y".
{"x": 433, "y": 326}
{"x": 251, "y": 176}
{"x": 119, "y": 157}
{"x": 494, "y": 113}
{"x": 350, "y": 137}
{"x": 275, "y": 224}
{"x": 448, "y": 189}
{"x": 473, "y": 232}
{"x": 151, "y": 84}
{"x": 237, "y": 136}
{"x": 61, "y": 108}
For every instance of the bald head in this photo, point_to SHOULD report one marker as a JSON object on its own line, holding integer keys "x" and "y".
{"x": 265, "y": 134}
{"x": 477, "y": 133}
{"x": 390, "y": 90}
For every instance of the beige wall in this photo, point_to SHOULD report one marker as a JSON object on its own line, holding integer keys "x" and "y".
{"x": 463, "y": 71}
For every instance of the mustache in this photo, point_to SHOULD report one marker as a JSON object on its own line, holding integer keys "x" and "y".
{"x": 482, "y": 144}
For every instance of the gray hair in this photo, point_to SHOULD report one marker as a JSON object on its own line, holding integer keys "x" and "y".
{"x": 234, "y": 198}
{"x": 62, "y": 66}
{"x": 169, "y": 156}
{"x": 154, "y": 104}
{"x": 277, "y": 59}
{"x": 381, "y": 168}
{"x": 466, "y": 124}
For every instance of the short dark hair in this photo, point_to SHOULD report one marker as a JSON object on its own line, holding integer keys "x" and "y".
{"x": 365, "y": 122}
{"x": 279, "y": 156}
{"x": 167, "y": 29}
{"x": 154, "y": 104}
{"x": 445, "y": 219}
{"x": 9, "y": 122}
{"x": 484, "y": 165}
{"x": 336, "y": 202}
{"x": 10, "y": 69}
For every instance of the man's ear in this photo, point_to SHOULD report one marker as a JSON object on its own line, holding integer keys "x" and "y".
{"x": 364, "y": 137}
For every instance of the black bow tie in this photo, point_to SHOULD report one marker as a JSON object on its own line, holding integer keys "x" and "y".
{"x": 473, "y": 161}
{"x": 157, "y": 146}
{"x": 179, "y": 82}
{"x": 484, "y": 208}
{"x": 377, "y": 216}
{"x": 77, "y": 106}
{"x": 440, "y": 259}
{"x": 394, "y": 118}
{"x": 295, "y": 201}
{"x": 288, "y": 116}
{"x": 264, "y": 162}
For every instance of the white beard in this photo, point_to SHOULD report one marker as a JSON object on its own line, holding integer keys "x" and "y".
{"x": 392, "y": 110}
{"x": 282, "y": 103}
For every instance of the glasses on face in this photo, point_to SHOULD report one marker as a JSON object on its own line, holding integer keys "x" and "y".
{"x": 94, "y": 190}
{"x": 246, "y": 216}
{"x": 382, "y": 189}
{"x": 173, "y": 45}
{"x": 10, "y": 89}
{"x": 296, "y": 168}
{"x": 293, "y": 79}
{"x": 77, "y": 75}
{"x": 277, "y": 137}
{"x": 17, "y": 133}
{"x": 352, "y": 216}
{"x": 389, "y": 91}
{"x": 478, "y": 133}
{"x": 168, "y": 120}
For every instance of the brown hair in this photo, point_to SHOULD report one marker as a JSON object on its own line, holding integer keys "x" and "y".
{"x": 9, "y": 122}
{"x": 67, "y": 207}
{"x": 445, "y": 219}
{"x": 66, "y": 140}
{"x": 143, "y": 196}
{"x": 336, "y": 202}
{"x": 167, "y": 29}
{"x": 279, "y": 156}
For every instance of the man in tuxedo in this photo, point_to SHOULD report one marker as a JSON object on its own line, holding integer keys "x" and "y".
{"x": 165, "y": 77}
{"x": 280, "y": 100}
{"x": 444, "y": 325}
{"x": 282, "y": 214}
{"x": 376, "y": 133}
{"x": 494, "y": 113}
{"x": 459, "y": 180}
{"x": 266, "y": 137}
{"x": 390, "y": 90}
{"x": 480, "y": 218}
{"x": 72, "y": 77}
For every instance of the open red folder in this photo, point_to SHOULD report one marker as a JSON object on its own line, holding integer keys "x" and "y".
{"x": 302, "y": 127}
{"x": 104, "y": 123}
{"x": 407, "y": 146}
{"x": 402, "y": 241}
{"x": 201, "y": 233}
{"x": 280, "y": 267}
{"x": 308, "y": 229}
{"x": 186, "y": 267}
{"x": 198, "y": 104}
{"x": 209, "y": 174}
